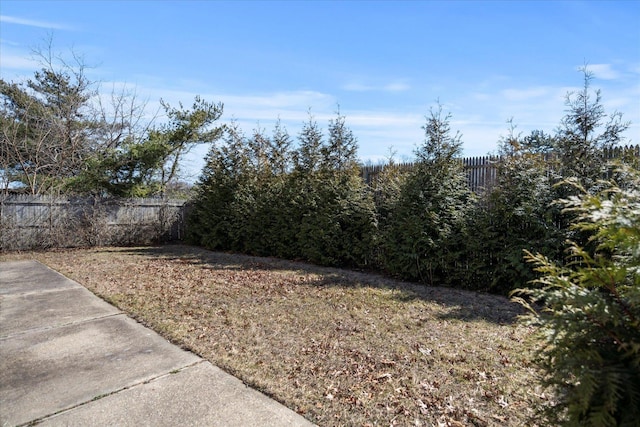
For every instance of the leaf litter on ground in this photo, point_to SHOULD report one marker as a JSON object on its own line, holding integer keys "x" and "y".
{"x": 342, "y": 348}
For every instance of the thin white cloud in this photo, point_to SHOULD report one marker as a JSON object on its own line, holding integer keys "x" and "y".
{"x": 383, "y": 119}
{"x": 395, "y": 86}
{"x": 480, "y": 96}
{"x": 291, "y": 107}
{"x": 276, "y": 100}
{"x": 17, "y": 62}
{"x": 622, "y": 102}
{"x": 532, "y": 108}
{"x": 33, "y": 23}
{"x": 603, "y": 71}
{"x": 480, "y": 116}
{"x": 525, "y": 94}
{"x": 281, "y": 99}
{"x": 357, "y": 87}
{"x": 9, "y": 42}
{"x": 376, "y": 131}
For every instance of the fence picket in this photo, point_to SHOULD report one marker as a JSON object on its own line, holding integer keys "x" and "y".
{"x": 482, "y": 171}
{"x": 28, "y": 221}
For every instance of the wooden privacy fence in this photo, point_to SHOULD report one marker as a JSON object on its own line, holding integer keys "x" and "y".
{"x": 482, "y": 171}
{"x": 28, "y": 222}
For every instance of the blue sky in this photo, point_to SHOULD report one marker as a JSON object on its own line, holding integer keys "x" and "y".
{"x": 384, "y": 63}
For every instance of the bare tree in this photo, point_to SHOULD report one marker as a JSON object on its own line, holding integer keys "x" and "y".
{"x": 44, "y": 134}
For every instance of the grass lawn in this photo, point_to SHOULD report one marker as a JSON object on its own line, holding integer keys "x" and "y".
{"x": 339, "y": 347}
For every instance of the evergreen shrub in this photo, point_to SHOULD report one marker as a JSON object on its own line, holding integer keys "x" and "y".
{"x": 587, "y": 312}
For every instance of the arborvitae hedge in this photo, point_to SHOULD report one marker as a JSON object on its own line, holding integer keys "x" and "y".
{"x": 259, "y": 195}
{"x": 309, "y": 204}
{"x": 516, "y": 214}
{"x": 425, "y": 226}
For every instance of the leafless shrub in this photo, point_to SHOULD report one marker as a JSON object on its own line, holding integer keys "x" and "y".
{"x": 30, "y": 222}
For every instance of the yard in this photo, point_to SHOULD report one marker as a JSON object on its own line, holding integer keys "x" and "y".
{"x": 339, "y": 347}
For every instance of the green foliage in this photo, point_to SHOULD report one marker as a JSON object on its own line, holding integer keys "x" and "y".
{"x": 258, "y": 196}
{"x": 518, "y": 213}
{"x": 129, "y": 171}
{"x": 589, "y": 319}
{"x": 514, "y": 215}
{"x": 425, "y": 234}
{"x": 337, "y": 220}
{"x": 386, "y": 190}
{"x": 584, "y": 132}
{"x": 341, "y": 151}
{"x": 537, "y": 142}
{"x": 60, "y": 134}
{"x": 44, "y": 137}
{"x": 337, "y": 216}
{"x": 213, "y": 220}
{"x": 309, "y": 153}
{"x": 186, "y": 128}
{"x": 147, "y": 163}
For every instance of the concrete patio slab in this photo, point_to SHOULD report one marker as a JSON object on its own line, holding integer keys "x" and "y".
{"x": 69, "y": 358}
{"x": 44, "y": 372}
{"x": 200, "y": 395}
{"x": 21, "y": 277}
{"x": 25, "y": 312}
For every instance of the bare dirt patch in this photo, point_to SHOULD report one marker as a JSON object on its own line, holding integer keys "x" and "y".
{"x": 339, "y": 347}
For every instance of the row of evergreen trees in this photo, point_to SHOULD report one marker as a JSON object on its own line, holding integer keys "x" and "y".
{"x": 263, "y": 195}
{"x": 258, "y": 195}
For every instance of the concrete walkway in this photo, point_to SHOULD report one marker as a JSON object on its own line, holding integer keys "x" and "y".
{"x": 67, "y": 358}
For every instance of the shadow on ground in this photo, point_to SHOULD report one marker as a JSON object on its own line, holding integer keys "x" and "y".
{"x": 460, "y": 304}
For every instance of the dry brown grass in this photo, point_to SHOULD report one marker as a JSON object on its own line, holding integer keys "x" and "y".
{"x": 339, "y": 347}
